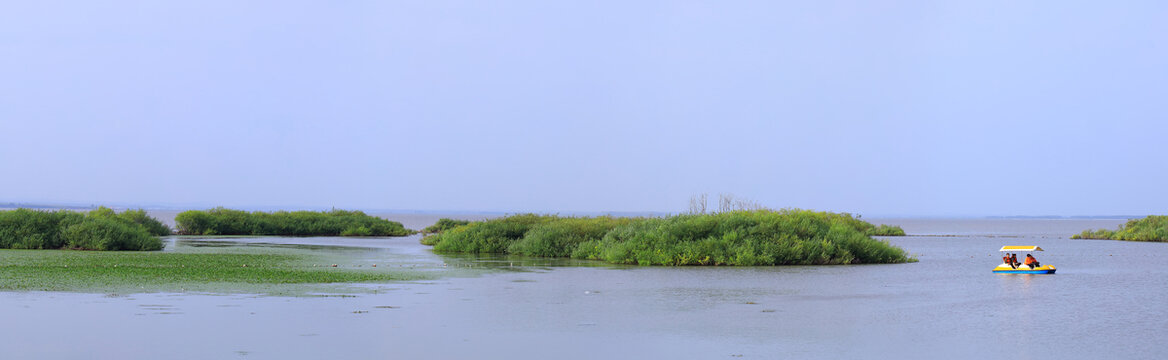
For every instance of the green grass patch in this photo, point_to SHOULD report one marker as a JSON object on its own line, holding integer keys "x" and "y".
{"x": 213, "y": 269}
{"x": 762, "y": 237}
{"x": 221, "y": 221}
{"x": 1151, "y": 228}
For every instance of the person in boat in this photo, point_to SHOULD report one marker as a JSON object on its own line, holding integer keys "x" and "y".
{"x": 1006, "y": 259}
{"x": 1031, "y": 261}
{"x": 1014, "y": 260}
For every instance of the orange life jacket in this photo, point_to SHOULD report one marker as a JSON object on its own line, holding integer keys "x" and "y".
{"x": 1030, "y": 260}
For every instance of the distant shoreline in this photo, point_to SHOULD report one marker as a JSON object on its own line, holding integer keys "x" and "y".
{"x": 68, "y": 206}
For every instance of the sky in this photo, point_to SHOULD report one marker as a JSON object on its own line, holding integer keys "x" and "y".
{"x": 882, "y": 108}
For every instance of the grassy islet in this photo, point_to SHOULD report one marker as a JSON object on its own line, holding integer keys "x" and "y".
{"x": 759, "y": 237}
{"x": 222, "y": 221}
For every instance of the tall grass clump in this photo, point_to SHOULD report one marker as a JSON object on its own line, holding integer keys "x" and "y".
{"x": 221, "y": 221}
{"x": 98, "y": 233}
{"x": 759, "y": 237}
{"x": 100, "y": 229}
{"x": 1151, "y": 228}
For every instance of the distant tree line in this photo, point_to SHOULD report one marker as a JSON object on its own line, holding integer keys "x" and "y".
{"x": 221, "y": 221}
{"x": 99, "y": 229}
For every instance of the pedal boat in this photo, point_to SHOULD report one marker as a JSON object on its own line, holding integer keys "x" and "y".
{"x": 1005, "y": 268}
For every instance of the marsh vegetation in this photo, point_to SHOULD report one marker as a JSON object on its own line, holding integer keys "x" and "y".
{"x": 100, "y": 229}
{"x": 221, "y": 221}
{"x": 758, "y": 237}
{"x": 1151, "y": 228}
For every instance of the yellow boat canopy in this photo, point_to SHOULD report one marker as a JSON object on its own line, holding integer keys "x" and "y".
{"x": 1020, "y": 248}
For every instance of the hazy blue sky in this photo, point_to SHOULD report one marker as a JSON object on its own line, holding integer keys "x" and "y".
{"x": 875, "y": 107}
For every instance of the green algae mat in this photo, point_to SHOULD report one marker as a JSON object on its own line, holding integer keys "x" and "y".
{"x": 254, "y": 269}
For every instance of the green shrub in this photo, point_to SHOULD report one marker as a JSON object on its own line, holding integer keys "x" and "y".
{"x": 221, "y": 221}
{"x": 133, "y": 217}
{"x": 152, "y": 225}
{"x": 100, "y": 229}
{"x": 1151, "y": 228}
{"x": 31, "y": 229}
{"x": 100, "y": 233}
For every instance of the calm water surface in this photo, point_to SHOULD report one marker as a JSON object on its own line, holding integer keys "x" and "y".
{"x": 1107, "y": 299}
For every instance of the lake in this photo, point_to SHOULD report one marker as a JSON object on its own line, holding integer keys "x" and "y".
{"x": 1106, "y": 301}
